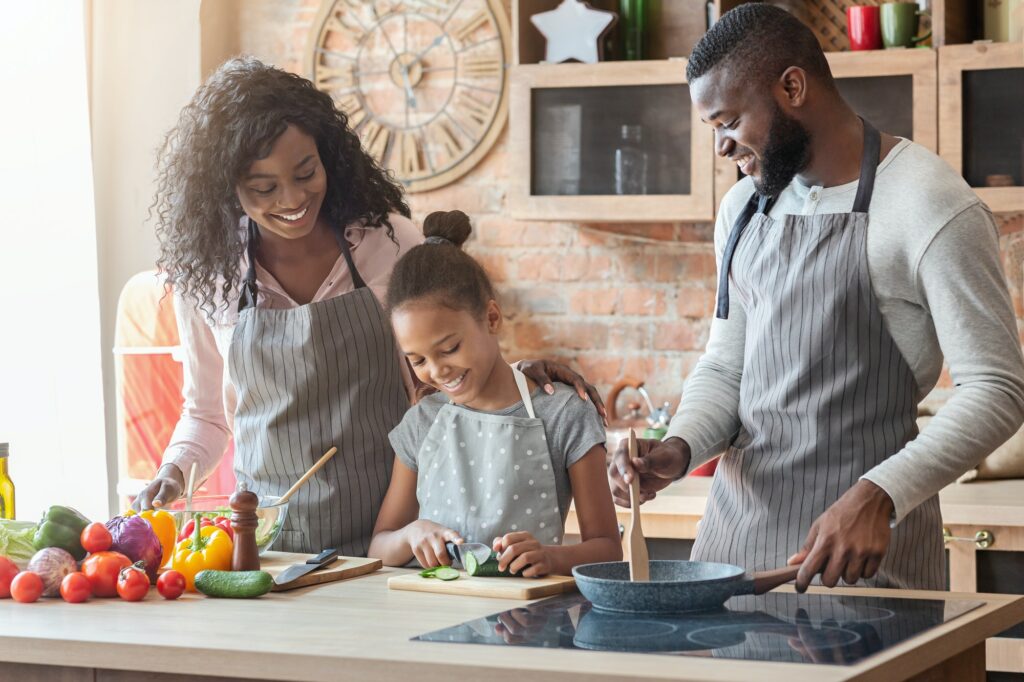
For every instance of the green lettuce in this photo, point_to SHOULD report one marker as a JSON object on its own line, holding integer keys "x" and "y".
{"x": 16, "y": 540}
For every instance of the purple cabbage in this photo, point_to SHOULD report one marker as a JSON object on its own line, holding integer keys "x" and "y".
{"x": 134, "y": 537}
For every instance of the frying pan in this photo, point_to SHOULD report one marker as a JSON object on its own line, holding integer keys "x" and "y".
{"x": 674, "y": 587}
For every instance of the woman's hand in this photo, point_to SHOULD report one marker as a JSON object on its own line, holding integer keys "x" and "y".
{"x": 162, "y": 490}
{"x": 543, "y": 372}
{"x": 519, "y": 551}
{"x": 426, "y": 541}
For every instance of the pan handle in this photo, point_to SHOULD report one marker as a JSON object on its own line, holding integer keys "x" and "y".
{"x": 764, "y": 581}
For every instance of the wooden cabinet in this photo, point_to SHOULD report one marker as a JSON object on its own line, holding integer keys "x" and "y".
{"x": 981, "y": 119}
{"x": 573, "y": 125}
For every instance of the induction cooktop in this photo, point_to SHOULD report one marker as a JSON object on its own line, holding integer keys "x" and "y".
{"x": 785, "y": 627}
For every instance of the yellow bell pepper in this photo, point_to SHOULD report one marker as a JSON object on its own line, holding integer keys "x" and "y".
{"x": 207, "y": 548}
{"x": 163, "y": 526}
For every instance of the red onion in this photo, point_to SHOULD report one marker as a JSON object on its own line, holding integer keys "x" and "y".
{"x": 52, "y": 564}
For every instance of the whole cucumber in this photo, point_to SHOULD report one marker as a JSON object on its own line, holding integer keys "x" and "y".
{"x": 234, "y": 584}
{"x": 487, "y": 569}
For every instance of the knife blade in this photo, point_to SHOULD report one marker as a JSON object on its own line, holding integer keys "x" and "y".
{"x": 478, "y": 549}
{"x": 296, "y": 571}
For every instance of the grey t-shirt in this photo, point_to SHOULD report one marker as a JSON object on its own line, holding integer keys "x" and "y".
{"x": 572, "y": 427}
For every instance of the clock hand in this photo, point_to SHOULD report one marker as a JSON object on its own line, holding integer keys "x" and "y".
{"x": 410, "y": 98}
{"x": 434, "y": 43}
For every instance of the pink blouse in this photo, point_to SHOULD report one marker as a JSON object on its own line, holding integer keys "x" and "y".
{"x": 205, "y": 426}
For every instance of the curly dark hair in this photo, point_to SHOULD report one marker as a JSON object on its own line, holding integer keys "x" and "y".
{"x": 761, "y": 41}
{"x": 232, "y": 121}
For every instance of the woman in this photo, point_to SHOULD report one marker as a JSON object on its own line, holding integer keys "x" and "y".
{"x": 278, "y": 234}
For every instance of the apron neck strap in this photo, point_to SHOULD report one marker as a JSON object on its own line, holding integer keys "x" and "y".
{"x": 868, "y": 167}
{"x": 758, "y": 203}
{"x": 524, "y": 391}
{"x": 249, "y": 287}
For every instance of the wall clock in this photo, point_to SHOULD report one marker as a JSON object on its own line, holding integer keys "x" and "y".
{"x": 424, "y": 82}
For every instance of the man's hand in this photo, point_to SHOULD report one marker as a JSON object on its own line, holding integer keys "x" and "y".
{"x": 658, "y": 464}
{"x": 849, "y": 540}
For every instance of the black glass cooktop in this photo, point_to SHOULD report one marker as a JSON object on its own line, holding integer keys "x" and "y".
{"x": 795, "y": 628}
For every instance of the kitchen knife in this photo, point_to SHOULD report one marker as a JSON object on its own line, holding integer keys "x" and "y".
{"x": 479, "y": 550}
{"x": 296, "y": 571}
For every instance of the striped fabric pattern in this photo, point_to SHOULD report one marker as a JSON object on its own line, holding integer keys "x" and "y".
{"x": 825, "y": 396}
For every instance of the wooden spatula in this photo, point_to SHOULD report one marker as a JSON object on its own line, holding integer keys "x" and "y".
{"x": 639, "y": 570}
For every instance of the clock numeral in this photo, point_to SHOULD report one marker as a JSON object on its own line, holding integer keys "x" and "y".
{"x": 410, "y": 155}
{"x": 343, "y": 24}
{"x": 353, "y": 108}
{"x": 335, "y": 77}
{"x": 472, "y": 112}
{"x": 462, "y": 33}
{"x": 481, "y": 66}
{"x": 446, "y": 145}
{"x": 375, "y": 139}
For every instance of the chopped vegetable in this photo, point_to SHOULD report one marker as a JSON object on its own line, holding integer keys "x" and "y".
{"x": 51, "y": 565}
{"x": 446, "y": 573}
{"x": 234, "y": 584}
{"x": 208, "y": 548}
{"x": 61, "y": 527}
{"x": 487, "y": 569}
{"x": 16, "y": 540}
{"x": 134, "y": 537}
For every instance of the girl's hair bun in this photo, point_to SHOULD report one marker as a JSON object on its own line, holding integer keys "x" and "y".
{"x": 451, "y": 225}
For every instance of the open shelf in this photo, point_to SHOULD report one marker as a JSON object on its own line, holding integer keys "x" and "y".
{"x": 981, "y": 127}
{"x": 565, "y": 125}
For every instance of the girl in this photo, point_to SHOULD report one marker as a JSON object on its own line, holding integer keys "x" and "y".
{"x": 278, "y": 233}
{"x": 489, "y": 457}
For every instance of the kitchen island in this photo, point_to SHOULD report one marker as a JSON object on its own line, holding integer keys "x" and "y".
{"x": 358, "y": 629}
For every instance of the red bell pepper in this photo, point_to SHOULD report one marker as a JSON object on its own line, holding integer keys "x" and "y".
{"x": 191, "y": 526}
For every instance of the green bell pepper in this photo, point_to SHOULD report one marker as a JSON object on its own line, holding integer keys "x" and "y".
{"x": 62, "y": 527}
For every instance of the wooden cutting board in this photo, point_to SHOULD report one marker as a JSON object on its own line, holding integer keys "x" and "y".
{"x": 501, "y": 588}
{"x": 345, "y": 567}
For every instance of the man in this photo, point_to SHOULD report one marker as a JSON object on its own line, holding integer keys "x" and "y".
{"x": 849, "y": 264}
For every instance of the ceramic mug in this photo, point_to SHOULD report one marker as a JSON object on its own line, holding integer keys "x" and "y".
{"x": 900, "y": 21}
{"x": 864, "y": 27}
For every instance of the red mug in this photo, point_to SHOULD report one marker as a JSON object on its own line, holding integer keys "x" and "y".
{"x": 864, "y": 26}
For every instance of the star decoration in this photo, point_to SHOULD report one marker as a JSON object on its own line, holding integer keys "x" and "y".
{"x": 573, "y": 30}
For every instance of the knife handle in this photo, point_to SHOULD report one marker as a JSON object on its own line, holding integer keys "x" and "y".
{"x": 326, "y": 556}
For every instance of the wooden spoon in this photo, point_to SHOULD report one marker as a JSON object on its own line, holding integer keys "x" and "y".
{"x": 639, "y": 568}
{"x": 306, "y": 476}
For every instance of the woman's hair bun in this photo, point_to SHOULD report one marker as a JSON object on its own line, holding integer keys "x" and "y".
{"x": 451, "y": 225}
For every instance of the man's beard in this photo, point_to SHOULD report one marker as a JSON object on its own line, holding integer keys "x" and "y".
{"x": 787, "y": 153}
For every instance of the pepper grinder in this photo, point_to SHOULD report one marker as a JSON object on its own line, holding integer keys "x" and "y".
{"x": 244, "y": 521}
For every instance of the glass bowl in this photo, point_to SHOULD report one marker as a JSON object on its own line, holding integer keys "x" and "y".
{"x": 271, "y": 515}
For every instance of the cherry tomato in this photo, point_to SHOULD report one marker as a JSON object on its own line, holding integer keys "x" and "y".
{"x": 102, "y": 569}
{"x": 8, "y": 569}
{"x": 170, "y": 585}
{"x": 75, "y": 588}
{"x": 26, "y": 587}
{"x": 132, "y": 583}
{"x": 96, "y": 538}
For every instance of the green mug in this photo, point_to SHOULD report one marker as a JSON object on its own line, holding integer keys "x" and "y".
{"x": 900, "y": 22}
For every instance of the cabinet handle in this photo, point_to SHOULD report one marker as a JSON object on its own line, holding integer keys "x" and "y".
{"x": 983, "y": 539}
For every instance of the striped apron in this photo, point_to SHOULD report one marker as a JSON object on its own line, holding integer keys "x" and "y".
{"x": 309, "y": 378}
{"x": 825, "y": 394}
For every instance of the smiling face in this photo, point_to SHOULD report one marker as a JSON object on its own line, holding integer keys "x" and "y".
{"x": 284, "y": 191}
{"x": 450, "y": 350}
{"x": 752, "y": 128}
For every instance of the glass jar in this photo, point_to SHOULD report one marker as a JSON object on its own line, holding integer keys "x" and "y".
{"x": 630, "y": 161}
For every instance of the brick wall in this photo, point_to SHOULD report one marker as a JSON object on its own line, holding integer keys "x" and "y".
{"x": 612, "y": 300}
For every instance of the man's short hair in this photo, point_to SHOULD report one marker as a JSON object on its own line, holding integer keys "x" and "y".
{"x": 759, "y": 42}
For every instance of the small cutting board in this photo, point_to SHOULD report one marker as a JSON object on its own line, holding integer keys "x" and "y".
{"x": 501, "y": 588}
{"x": 342, "y": 569}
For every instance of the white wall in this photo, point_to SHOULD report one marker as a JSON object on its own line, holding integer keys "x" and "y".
{"x": 51, "y": 401}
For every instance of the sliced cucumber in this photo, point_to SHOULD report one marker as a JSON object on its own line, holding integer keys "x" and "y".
{"x": 429, "y": 572}
{"x": 446, "y": 573}
{"x": 487, "y": 569}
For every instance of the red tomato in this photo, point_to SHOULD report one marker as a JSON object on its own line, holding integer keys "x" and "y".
{"x": 102, "y": 570}
{"x": 75, "y": 588}
{"x": 8, "y": 569}
{"x": 132, "y": 583}
{"x": 96, "y": 538}
{"x": 170, "y": 585}
{"x": 26, "y": 587}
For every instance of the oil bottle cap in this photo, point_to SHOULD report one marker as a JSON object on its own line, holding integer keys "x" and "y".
{"x": 5, "y": 449}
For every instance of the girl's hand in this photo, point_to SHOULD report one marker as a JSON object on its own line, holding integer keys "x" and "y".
{"x": 543, "y": 372}
{"x": 519, "y": 551}
{"x": 426, "y": 541}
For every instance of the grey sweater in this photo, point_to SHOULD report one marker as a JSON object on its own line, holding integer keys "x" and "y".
{"x": 933, "y": 259}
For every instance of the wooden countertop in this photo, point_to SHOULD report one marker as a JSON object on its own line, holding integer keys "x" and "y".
{"x": 358, "y": 629}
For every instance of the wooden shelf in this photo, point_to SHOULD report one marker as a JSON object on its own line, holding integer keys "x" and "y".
{"x": 695, "y": 141}
{"x": 955, "y": 63}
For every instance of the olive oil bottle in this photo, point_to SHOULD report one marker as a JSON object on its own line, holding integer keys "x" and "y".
{"x": 6, "y": 485}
